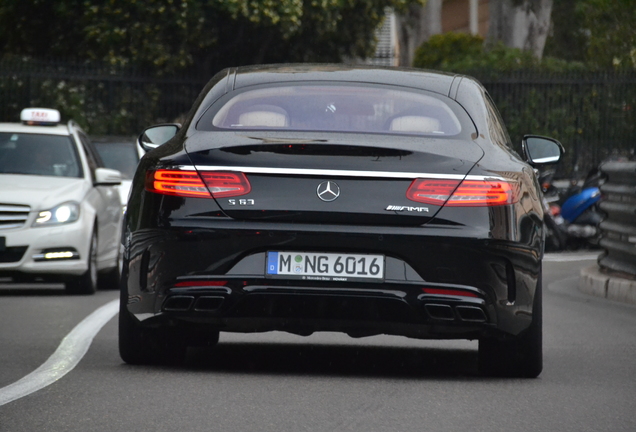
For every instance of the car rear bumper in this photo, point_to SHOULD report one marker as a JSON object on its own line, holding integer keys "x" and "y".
{"x": 358, "y": 311}
{"x": 440, "y": 282}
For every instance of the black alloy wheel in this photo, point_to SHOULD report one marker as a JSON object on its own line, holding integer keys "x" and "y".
{"x": 521, "y": 357}
{"x": 142, "y": 346}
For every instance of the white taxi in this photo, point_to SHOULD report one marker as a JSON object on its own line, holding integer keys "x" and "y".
{"x": 60, "y": 211}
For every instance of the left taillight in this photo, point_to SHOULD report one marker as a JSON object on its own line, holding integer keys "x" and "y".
{"x": 457, "y": 193}
{"x": 204, "y": 184}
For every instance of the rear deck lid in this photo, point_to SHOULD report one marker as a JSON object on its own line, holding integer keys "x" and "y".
{"x": 343, "y": 179}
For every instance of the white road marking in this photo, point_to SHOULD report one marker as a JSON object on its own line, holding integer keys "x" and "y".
{"x": 569, "y": 257}
{"x": 73, "y": 347}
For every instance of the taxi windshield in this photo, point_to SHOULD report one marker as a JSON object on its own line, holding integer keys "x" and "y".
{"x": 38, "y": 154}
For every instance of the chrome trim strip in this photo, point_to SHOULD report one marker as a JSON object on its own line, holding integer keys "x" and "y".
{"x": 14, "y": 208}
{"x": 338, "y": 173}
{"x": 14, "y": 217}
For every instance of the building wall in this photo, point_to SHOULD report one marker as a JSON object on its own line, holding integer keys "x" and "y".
{"x": 456, "y": 16}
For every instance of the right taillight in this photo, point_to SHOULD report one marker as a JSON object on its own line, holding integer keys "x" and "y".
{"x": 467, "y": 193}
{"x": 189, "y": 183}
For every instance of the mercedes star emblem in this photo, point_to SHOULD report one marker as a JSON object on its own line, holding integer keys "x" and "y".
{"x": 328, "y": 191}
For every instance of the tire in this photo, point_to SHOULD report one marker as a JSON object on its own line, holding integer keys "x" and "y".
{"x": 134, "y": 342}
{"x": 521, "y": 357}
{"x": 142, "y": 346}
{"x": 87, "y": 283}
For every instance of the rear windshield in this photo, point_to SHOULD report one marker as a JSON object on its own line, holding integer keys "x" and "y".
{"x": 337, "y": 108}
{"x": 36, "y": 154}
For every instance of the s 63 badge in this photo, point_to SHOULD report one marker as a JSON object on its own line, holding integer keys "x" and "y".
{"x": 241, "y": 202}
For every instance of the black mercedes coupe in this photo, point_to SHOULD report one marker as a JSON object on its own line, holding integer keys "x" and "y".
{"x": 362, "y": 200}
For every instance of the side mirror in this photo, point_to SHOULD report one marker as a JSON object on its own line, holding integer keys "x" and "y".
{"x": 107, "y": 177}
{"x": 154, "y": 136}
{"x": 539, "y": 150}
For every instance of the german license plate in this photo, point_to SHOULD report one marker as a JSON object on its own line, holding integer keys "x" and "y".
{"x": 325, "y": 266}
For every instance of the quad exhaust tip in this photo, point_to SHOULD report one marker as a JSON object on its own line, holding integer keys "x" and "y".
{"x": 178, "y": 303}
{"x": 470, "y": 313}
{"x": 440, "y": 311}
{"x": 463, "y": 313}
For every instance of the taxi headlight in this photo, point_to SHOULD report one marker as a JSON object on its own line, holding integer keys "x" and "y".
{"x": 64, "y": 213}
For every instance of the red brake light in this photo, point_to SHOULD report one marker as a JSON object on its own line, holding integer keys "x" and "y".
{"x": 470, "y": 193}
{"x": 226, "y": 184}
{"x": 194, "y": 184}
{"x": 175, "y": 182}
{"x": 431, "y": 191}
{"x": 449, "y": 291}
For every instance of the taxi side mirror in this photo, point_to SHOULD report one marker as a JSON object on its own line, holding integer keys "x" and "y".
{"x": 156, "y": 135}
{"x": 107, "y": 177}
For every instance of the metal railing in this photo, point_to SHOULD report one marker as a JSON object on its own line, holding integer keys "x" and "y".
{"x": 104, "y": 100}
{"x": 592, "y": 113}
{"x": 618, "y": 230}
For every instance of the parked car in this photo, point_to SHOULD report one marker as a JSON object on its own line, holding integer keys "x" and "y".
{"x": 363, "y": 200}
{"x": 60, "y": 212}
{"x": 122, "y": 154}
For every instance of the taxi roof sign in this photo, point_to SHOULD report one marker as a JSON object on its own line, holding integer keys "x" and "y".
{"x": 40, "y": 116}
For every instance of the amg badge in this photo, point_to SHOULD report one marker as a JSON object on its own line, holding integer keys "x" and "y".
{"x": 406, "y": 208}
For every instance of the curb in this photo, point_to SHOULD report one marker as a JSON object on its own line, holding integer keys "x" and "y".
{"x": 592, "y": 281}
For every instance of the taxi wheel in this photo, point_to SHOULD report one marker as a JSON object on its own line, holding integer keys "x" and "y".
{"x": 86, "y": 283}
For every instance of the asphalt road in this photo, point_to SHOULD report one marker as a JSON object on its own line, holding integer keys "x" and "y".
{"x": 325, "y": 382}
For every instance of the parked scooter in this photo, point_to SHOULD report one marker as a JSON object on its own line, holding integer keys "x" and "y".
{"x": 554, "y": 237}
{"x": 572, "y": 217}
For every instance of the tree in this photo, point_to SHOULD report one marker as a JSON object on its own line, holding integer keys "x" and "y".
{"x": 415, "y": 25}
{"x": 40, "y": 27}
{"x": 609, "y": 25}
{"x": 597, "y": 32}
{"x": 520, "y": 24}
{"x": 567, "y": 39}
{"x": 206, "y": 35}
